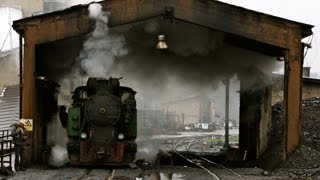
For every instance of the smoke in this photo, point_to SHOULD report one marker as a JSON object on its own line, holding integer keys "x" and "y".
{"x": 197, "y": 61}
{"x": 148, "y": 150}
{"x": 102, "y": 48}
{"x": 58, "y": 156}
{"x": 57, "y": 139}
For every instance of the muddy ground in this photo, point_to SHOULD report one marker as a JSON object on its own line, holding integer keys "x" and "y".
{"x": 163, "y": 173}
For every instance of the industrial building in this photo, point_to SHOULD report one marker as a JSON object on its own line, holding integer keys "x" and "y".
{"x": 53, "y": 41}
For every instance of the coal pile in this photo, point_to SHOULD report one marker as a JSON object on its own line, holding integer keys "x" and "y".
{"x": 308, "y": 154}
{"x": 306, "y": 159}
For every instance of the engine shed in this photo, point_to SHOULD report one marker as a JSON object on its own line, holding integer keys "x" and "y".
{"x": 55, "y": 38}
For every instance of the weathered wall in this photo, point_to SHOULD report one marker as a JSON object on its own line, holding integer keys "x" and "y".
{"x": 309, "y": 89}
{"x": 194, "y": 109}
{"x": 265, "y": 121}
{"x": 255, "y": 121}
{"x": 28, "y": 6}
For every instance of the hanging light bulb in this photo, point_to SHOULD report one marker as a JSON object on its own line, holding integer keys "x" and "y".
{"x": 161, "y": 43}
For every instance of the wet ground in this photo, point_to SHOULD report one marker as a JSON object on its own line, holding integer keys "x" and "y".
{"x": 161, "y": 173}
{"x": 187, "y": 134}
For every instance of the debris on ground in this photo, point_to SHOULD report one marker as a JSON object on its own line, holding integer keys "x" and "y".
{"x": 305, "y": 160}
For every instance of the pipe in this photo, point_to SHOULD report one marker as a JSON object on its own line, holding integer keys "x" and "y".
{"x": 226, "y": 142}
{"x": 20, "y": 76}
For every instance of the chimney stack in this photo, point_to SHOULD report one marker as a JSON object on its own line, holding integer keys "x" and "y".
{"x": 306, "y": 72}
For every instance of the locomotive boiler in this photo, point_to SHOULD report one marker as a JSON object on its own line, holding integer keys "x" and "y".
{"x": 102, "y": 124}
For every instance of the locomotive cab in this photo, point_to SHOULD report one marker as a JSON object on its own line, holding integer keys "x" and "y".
{"x": 102, "y": 123}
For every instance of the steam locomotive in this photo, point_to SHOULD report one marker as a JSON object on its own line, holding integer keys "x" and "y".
{"x": 101, "y": 124}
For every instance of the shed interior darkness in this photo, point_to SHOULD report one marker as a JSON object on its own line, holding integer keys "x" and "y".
{"x": 197, "y": 61}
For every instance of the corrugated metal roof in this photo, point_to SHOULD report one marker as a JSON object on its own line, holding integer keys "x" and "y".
{"x": 9, "y": 106}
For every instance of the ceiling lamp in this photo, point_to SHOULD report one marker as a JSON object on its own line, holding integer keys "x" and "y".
{"x": 161, "y": 43}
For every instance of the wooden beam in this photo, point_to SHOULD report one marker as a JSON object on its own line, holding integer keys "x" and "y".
{"x": 28, "y": 100}
{"x": 292, "y": 94}
{"x": 211, "y": 14}
{"x": 233, "y": 20}
{"x": 73, "y": 23}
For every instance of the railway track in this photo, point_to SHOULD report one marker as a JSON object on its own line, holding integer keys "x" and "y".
{"x": 106, "y": 174}
{"x": 84, "y": 175}
{"x": 188, "y": 142}
{"x": 213, "y": 175}
{"x": 211, "y": 162}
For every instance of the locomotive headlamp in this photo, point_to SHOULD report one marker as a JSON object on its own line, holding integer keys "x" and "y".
{"x": 120, "y": 136}
{"x": 83, "y": 135}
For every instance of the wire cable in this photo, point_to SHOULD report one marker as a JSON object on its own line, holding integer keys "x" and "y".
{"x": 5, "y": 40}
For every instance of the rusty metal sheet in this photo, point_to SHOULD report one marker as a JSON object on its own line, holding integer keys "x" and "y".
{"x": 211, "y": 14}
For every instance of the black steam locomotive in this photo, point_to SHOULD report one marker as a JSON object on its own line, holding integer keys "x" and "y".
{"x": 101, "y": 124}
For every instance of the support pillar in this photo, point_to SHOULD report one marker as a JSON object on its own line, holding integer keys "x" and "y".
{"x": 292, "y": 96}
{"x": 28, "y": 93}
{"x": 226, "y": 136}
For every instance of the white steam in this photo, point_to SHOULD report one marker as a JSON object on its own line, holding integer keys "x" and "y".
{"x": 148, "y": 150}
{"x": 101, "y": 48}
{"x": 57, "y": 139}
{"x": 58, "y": 156}
{"x": 195, "y": 63}
{"x": 197, "y": 60}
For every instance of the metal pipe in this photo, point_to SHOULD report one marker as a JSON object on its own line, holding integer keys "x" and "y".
{"x": 20, "y": 76}
{"x": 226, "y": 142}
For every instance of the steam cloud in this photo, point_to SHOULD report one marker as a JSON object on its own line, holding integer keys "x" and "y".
{"x": 197, "y": 61}
{"x": 58, "y": 156}
{"x": 101, "y": 48}
{"x": 148, "y": 151}
{"x": 57, "y": 138}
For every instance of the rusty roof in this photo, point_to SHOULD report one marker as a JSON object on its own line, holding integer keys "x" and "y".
{"x": 18, "y": 25}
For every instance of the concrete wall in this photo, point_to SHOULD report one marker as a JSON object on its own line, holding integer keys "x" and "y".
{"x": 265, "y": 121}
{"x": 28, "y": 6}
{"x": 191, "y": 110}
{"x": 194, "y": 109}
{"x": 310, "y": 88}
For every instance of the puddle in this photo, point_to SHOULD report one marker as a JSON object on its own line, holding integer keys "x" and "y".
{"x": 162, "y": 176}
